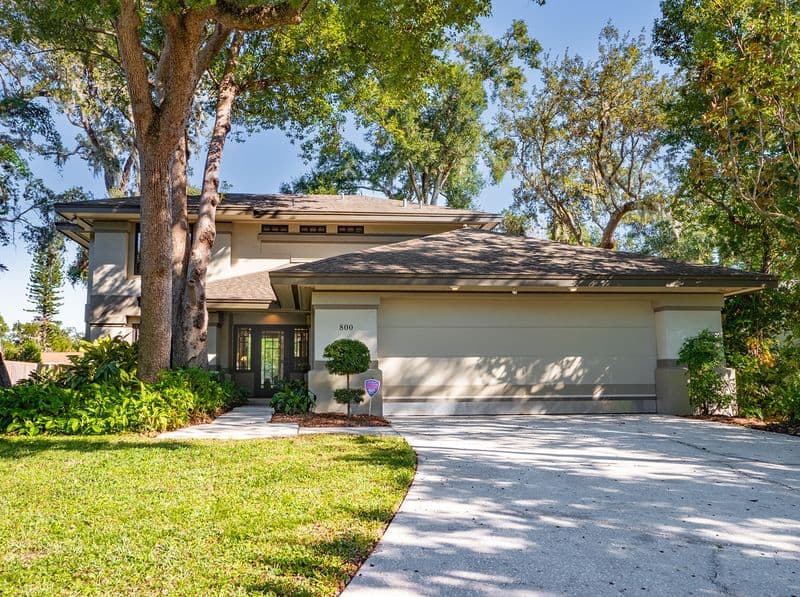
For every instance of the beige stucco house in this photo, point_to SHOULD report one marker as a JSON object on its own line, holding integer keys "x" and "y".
{"x": 459, "y": 319}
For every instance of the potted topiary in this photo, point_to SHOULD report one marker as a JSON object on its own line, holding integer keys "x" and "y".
{"x": 347, "y": 357}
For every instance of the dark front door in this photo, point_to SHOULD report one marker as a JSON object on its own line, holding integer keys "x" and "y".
{"x": 276, "y": 352}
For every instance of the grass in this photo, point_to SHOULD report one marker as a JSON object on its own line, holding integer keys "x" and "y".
{"x": 132, "y": 516}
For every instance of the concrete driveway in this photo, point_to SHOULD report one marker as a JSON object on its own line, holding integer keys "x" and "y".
{"x": 594, "y": 505}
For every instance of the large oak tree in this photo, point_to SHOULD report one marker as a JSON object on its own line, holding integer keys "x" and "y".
{"x": 164, "y": 49}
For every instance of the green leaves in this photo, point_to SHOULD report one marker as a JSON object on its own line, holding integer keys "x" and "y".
{"x": 292, "y": 398}
{"x": 100, "y": 393}
{"x": 586, "y": 146}
{"x": 704, "y": 358}
{"x": 346, "y": 357}
{"x": 737, "y": 117}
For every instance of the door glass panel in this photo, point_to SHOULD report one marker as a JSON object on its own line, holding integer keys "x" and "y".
{"x": 243, "y": 349}
{"x": 271, "y": 357}
{"x": 301, "y": 350}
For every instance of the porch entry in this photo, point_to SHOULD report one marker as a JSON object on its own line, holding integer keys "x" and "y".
{"x": 271, "y": 353}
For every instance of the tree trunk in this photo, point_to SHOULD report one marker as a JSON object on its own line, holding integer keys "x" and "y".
{"x": 156, "y": 262}
{"x": 194, "y": 316}
{"x": 607, "y": 241}
{"x": 180, "y": 248}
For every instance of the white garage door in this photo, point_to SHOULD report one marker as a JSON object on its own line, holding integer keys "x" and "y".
{"x": 516, "y": 354}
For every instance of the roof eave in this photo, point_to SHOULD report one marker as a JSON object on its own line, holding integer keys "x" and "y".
{"x": 728, "y": 285}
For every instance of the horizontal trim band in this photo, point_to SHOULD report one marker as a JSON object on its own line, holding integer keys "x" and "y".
{"x": 605, "y": 397}
{"x": 328, "y": 306}
{"x": 518, "y": 391}
{"x": 668, "y": 364}
{"x": 682, "y": 308}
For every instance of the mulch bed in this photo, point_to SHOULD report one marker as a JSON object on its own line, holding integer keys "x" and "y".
{"x": 331, "y": 420}
{"x": 775, "y": 426}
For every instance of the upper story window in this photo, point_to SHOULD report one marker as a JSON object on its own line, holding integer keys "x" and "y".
{"x": 350, "y": 230}
{"x": 137, "y": 250}
{"x": 274, "y": 228}
{"x": 313, "y": 229}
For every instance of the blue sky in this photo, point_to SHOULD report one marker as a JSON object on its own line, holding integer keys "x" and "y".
{"x": 263, "y": 161}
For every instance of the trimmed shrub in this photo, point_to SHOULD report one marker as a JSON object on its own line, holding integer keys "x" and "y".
{"x": 292, "y": 398}
{"x": 348, "y": 396}
{"x": 347, "y": 357}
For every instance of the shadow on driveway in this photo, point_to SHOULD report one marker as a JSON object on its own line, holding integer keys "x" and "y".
{"x": 592, "y": 505}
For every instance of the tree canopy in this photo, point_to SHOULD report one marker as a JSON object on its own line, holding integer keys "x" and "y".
{"x": 585, "y": 146}
{"x": 737, "y": 118}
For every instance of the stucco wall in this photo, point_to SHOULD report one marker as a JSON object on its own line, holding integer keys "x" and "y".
{"x": 443, "y": 353}
{"x": 456, "y": 353}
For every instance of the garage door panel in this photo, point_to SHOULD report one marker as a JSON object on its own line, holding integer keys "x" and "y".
{"x": 517, "y": 370}
{"x": 514, "y": 312}
{"x": 528, "y": 406}
{"x": 517, "y": 355}
{"x": 534, "y": 343}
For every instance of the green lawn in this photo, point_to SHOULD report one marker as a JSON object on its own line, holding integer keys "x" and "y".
{"x": 129, "y": 515}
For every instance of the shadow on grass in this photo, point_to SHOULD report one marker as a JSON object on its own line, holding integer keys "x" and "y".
{"x": 381, "y": 453}
{"x": 22, "y": 447}
{"x": 329, "y": 562}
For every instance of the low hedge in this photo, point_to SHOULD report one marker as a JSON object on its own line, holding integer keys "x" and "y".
{"x": 107, "y": 397}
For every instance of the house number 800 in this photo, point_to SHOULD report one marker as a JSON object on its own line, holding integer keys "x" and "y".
{"x": 345, "y": 327}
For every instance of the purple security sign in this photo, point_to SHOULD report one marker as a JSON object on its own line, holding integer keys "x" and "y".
{"x": 372, "y": 387}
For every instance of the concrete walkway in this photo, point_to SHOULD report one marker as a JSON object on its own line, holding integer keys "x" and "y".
{"x": 600, "y": 505}
{"x": 243, "y": 422}
{"x": 253, "y": 422}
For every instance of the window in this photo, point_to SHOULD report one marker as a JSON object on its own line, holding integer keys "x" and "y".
{"x": 274, "y": 228}
{"x": 301, "y": 350}
{"x": 243, "y": 352}
{"x": 313, "y": 229}
{"x": 137, "y": 250}
{"x": 351, "y": 230}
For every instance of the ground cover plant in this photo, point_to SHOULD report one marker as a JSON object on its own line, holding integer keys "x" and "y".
{"x": 101, "y": 393}
{"x": 129, "y": 515}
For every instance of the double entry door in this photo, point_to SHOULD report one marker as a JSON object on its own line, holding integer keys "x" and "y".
{"x": 276, "y": 352}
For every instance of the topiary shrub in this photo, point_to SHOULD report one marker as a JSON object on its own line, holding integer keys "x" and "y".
{"x": 704, "y": 357}
{"x": 347, "y": 357}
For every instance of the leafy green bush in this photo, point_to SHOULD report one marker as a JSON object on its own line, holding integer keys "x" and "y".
{"x": 786, "y": 402}
{"x": 349, "y": 397}
{"x": 347, "y": 357}
{"x": 100, "y": 394}
{"x": 28, "y": 352}
{"x": 704, "y": 358}
{"x": 292, "y": 398}
{"x": 107, "y": 359}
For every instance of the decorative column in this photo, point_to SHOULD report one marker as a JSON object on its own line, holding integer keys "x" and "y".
{"x": 343, "y": 315}
{"x": 674, "y": 324}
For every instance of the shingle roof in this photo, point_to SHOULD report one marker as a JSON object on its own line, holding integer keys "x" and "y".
{"x": 250, "y": 288}
{"x": 264, "y": 204}
{"x": 475, "y": 253}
